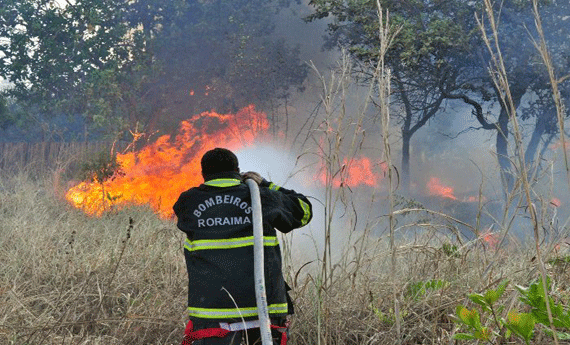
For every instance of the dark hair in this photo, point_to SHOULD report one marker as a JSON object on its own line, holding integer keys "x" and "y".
{"x": 219, "y": 160}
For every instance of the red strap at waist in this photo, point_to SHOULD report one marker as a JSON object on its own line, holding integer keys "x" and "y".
{"x": 283, "y": 331}
{"x": 190, "y": 335}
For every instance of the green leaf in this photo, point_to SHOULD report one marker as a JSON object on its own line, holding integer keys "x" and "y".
{"x": 464, "y": 336}
{"x": 469, "y": 317}
{"x": 477, "y": 298}
{"x": 484, "y": 333}
{"x": 502, "y": 287}
{"x": 563, "y": 335}
{"x": 480, "y": 300}
{"x": 534, "y": 297}
{"x": 418, "y": 289}
{"x": 521, "y": 324}
{"x": 491, "y": 296}
{"x": 560, "y": 335}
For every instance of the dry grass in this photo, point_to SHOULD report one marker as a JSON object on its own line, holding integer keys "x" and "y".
{"x": 66, "y": 278}
{"x": 357, "y": 307}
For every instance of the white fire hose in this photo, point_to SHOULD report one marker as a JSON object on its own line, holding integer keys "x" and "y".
{"x": 258, "y": 264}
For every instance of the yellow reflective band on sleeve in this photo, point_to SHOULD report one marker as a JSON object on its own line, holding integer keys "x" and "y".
{"x": 223, "y": 182}
{"x": 273, "y": 186}
{"x": 234, "y": 313}
{"x": 306, "y": 210}
{"x": 229, "y": 243}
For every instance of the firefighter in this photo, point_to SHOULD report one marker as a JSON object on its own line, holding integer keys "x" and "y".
{"x": 217, "y": 219}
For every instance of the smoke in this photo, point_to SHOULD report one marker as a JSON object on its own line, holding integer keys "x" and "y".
{"x": 306, "y": 245}
{"x": 280, "y": 166}
{"x": 309, "y": 36}
{"x": 458, "y": 157}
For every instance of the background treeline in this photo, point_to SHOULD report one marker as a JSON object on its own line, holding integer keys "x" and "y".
{"x": 42, "y": 157}
{"x": 110, "y": 66}
{"x": 442, "y": 60}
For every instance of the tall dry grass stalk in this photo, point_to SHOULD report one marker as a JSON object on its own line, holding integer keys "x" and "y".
{"x": 542, "y": 48}
{"x": 384, "y": 77}
{"x": 339, "y": 141}
{"x": 499, "y": 73}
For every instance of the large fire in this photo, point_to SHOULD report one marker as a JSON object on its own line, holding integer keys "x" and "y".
{"x": 158, "y": 173}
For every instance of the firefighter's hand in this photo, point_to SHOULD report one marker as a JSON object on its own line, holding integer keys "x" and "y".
{"x": 252, "y": 175}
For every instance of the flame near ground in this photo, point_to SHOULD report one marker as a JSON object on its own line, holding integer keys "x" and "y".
{"x": 159, "y": 172}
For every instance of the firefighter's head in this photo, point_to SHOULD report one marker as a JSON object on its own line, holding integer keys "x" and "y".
{"x": 219, "y": 160}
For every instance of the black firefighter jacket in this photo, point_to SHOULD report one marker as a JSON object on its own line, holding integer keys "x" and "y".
{"x": 217, "y": 218}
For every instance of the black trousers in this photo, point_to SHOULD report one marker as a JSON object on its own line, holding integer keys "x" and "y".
{"x": 250, "y": 336}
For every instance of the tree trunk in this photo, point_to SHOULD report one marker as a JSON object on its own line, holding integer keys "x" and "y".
{"x": 518, "y": 89}
{"x": 502, "y": 151}
{"x": 532, "y": 147}
{"x": 405, "y": 173}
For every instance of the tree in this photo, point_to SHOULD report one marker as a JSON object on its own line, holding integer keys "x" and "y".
{"x": 424, "y": 55}
{"x": 5, "y": 119}
{"x": 439, "y": 55}
{"x": 66, "y": 59}
{"x": 143, "y": 64}
{"x": 529, "y": 82}
{"x": 222, "y": 54}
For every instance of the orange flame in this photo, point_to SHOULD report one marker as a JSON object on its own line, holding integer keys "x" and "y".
{"x": 435, "y": 187}
{"x": 158, "y": 173}
{"x": 491, "y": 239}
{"x": 476, "y": 198}
{"x": 354, "y": 172}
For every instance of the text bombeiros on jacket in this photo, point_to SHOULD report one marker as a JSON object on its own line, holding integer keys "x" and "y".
{"x": 221, "y": 221}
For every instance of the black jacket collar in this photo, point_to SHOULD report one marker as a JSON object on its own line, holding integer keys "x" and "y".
{"x": 225, "y": 175}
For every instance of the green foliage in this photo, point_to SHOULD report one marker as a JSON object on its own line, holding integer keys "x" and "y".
{"x": 101, "y": 167}
{"x": 564, "y": 260}
{"x": 419, "y": 289}
{"x": 120, "y": 63}
{"x": 533, "y": 296}
{"x": 390, "y": 317}
{"x": 488, "y": 325}
{"x": 52, "y": 51}
{"x": 516, "y": 323}
{"x": 382, "y": 317}
{"x": 5, "y": 118}
{"x": 450, "y": 250}
{"x": 490, "y": 297}
{"x": 472, "y": 320}
{"x": 521, "y": 324}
